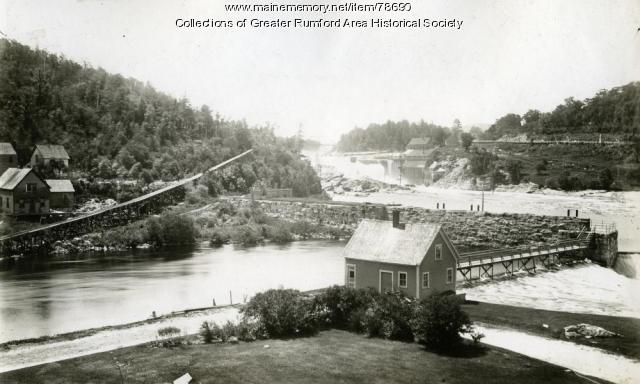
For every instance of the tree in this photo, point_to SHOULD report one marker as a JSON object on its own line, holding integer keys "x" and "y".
{"x": 514, "y": 168}
{"x": 439, "y": 321}
{"x": 466, "y": 139}
{"x": 605, "y": 178}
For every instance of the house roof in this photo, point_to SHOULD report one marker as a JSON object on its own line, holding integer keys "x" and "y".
{"x": 12, "y": 177}
{"x": 7, "y": 149}
{"x": 377, "y": 240}
{"x": 60, "y": 185}
{"x": 51, "y": 151}
{"x": 419, "y": 141}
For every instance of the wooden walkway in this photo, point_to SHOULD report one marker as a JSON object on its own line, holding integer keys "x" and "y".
{"x": 42, "y": 236}
{"x": 518, "y": 258}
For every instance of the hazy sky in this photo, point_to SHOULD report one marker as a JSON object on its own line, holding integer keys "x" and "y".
{"x": 509, "y": 56}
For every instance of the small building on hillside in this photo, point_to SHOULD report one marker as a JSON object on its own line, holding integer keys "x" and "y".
{"x": 417, "y": 259}
{"x": 61, "y": 194}
{"x": 419, "y": 143}
{"x": 8, "y": 157}
{"x": 46, "y": 154}
{"x": 23, "y": 192}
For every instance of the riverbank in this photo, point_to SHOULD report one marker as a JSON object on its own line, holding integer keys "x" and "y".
{"x": 551, "y": 324}
{"x": 26, "y": 353}
{"x": 332, "y": 356}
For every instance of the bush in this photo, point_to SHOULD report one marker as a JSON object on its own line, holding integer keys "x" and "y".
{"x": 345, "y": 307}
{"x": 168, "y": 331}
{"x": 279, "y": 233}
{"x": 248, "y": 331}
{"x": 227, "y": 330}
{"x": 171, "y": 229}
{"x": 168, "y": 336}
{"x": 439, "y": 320}
{"x": 246, "y": 235}
{"x": 390, "y": 316}
{"x": 209, "y": 331}
{"x": 281, "y": 313}
{"x": 219, "y": 237}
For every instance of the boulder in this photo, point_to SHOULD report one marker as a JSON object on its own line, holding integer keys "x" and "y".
{"x": 587, "y": 330}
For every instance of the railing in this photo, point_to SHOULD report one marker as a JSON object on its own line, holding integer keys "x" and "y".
{"x": 603, "y": 227}
{"x": 518, "y": 251}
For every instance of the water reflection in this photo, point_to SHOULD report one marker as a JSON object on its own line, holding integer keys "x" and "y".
{"x": 47, "y": 296}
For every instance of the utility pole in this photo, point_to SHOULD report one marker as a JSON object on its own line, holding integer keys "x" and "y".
{"x": 482, "y": 195}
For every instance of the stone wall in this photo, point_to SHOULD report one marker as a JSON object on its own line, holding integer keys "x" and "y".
{"x": 467, "y": 230}
{"x": 604, "y": 248}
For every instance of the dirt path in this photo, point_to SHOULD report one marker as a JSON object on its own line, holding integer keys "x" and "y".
{"x": 30, "y": 354}
{"x": 579, "y": 358}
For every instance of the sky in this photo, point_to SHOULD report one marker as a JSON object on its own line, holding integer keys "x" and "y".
{"x": 509, "y": 56}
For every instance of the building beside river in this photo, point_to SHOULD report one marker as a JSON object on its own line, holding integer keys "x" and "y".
{"x": 417, "y": 259}
{"x": 8, "y": 157}
{"x": 23, "y": 192}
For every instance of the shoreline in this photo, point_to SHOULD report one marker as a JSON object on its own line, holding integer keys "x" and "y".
{"x": 48, "y": 349}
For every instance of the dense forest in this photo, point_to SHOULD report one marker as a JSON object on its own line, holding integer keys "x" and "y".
{"x": 116, "y": 127}
{"x": 611, "y": 112}
{"x": 614, "y": 113}
{"x": 390, "y": 136}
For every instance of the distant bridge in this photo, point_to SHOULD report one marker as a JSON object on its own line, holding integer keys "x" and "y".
{"x": 482, "y": 263}
{"x": 116, "y": 215}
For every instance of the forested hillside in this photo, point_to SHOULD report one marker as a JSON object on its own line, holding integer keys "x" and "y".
{"x": 390, "y": 136}
{"x": 119, "y": 127}
{"x": 614, "y": 112}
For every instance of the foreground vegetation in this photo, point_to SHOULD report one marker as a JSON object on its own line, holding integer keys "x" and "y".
{"x": 330, "y": 357}
{"x": 533, "y": 320}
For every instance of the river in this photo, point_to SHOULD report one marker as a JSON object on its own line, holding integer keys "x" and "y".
{"x": 55, "y": 296}
{"x": 619, "y": 208}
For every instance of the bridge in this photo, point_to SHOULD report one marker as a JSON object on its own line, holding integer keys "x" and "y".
{"x": 482, "y": 263}
{"x": 43, "y": 236}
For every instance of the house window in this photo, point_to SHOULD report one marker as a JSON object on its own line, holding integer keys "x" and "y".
{"x": 449, "y": 275}
{"x": 351, "y": 276}
{"x": 425, "y": 280}
{"x": 7, "y": 203}
{"x": 402, "y": 279}
{"x": 438, "y": 251}
{"x": 31, "y": 187}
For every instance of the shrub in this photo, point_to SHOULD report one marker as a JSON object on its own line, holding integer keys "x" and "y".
{"x": 219, "y": 237}
{"x": 281, "y": 313}
{"x": 168, "y": 335}
{"x": 439, "y": 320}
{"x": 390, "y": 316}
{"x": 227, "y": 330}
{"x": 248, "y": 331}
{"x": 209, "y": 331}
{"x": 168, "y": 331}
{"x": 345, "y": 307}
{"x": 303, "y": 229}
{"x": 246, "y": 235}
{"x": 279, "y": 233}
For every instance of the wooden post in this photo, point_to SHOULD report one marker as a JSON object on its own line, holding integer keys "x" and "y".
{"x": 230, "y": 298}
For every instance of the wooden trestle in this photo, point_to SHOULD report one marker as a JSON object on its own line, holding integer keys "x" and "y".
{"x": 42, "y": 237}
{"x": 479, "y": 265}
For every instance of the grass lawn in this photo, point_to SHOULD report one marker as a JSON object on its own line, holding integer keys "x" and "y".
{"x": 331, "y": 357}
{"x": 531, "y": 320}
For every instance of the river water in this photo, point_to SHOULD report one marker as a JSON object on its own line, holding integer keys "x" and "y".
{"x": 49, "y": 297}
{"x": 619, "y": 208}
